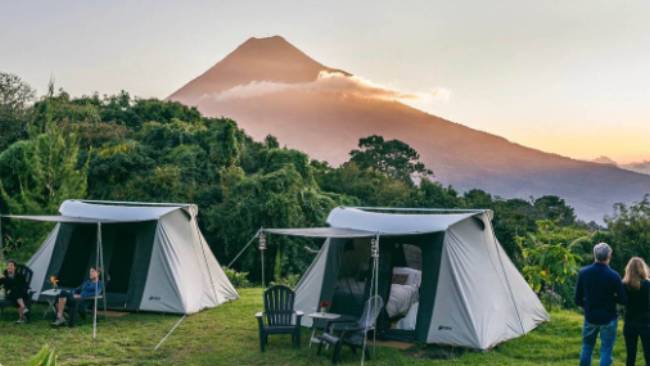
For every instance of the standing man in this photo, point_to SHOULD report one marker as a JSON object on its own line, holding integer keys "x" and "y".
{"x": 598, "y": 291}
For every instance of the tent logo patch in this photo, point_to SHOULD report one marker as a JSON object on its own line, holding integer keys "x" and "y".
{"x": 154, "y": 298}
{"x": 444, "y": 327}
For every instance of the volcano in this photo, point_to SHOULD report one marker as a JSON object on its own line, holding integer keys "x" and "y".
{"x": 270, "y": 87}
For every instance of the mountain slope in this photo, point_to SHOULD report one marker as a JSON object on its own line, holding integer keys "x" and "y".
{"x": 270, "y": 87}
{"x": 641, "y": 167}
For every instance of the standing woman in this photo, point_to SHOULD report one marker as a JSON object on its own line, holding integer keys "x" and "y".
{"x": 637, "y": 310}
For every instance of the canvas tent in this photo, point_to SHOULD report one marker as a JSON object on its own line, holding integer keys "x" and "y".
{"x": 444, "y": 277}
{"x": 153, "y": 255}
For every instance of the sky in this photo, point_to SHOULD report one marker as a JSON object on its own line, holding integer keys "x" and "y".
{"x": 568, "y": 77}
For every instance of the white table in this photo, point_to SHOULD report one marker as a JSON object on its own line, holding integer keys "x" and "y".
{"x": 320, "y": 316}
{"x": 50, "y": 296}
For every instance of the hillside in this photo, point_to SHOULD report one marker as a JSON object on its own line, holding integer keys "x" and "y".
{"x": 270, "y": 87}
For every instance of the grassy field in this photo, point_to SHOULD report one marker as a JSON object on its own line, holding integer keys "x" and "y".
{"x": 228, "y": 336}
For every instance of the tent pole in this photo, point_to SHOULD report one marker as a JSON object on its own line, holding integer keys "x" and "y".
{"x": 99, "y": 243}
{"x": 374, "y": 291}
{"x": 103, "y": 272}
{"x": 376, "y": 263}
{"x": 262, "y": 247}
{"x": 2, "y": 247}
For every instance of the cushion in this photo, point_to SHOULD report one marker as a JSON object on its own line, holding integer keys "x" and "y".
{"x": 414, "y": 276}
{"x": 400, "y": 279}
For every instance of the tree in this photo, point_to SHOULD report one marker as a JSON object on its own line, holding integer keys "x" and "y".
{"x": 368, "y": 186}
{"x": 628, "y": 232}
{"x": 554, "y": 208}
{"x": 549, "y": 258}
{"x": 393, "y": 158}
{"x": 14, "y": 98}
{"x": 36, "y": 175}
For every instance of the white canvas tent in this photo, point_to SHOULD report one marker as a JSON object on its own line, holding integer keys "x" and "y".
{"x": 467, "y": 291}
{"x": 153, "y": 255}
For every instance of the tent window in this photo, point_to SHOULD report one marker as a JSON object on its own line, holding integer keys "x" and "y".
{"x": 403, "y": 303}
{"x": 122, "y": 257}
{"x": 79, "y": 255}
{"x": 353, "y": 278}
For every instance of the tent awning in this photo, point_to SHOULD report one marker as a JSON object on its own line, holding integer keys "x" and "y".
{"x": 322, "y": 232}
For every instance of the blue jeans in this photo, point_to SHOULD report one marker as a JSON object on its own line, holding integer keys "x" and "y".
{"x": 607, "y": 338}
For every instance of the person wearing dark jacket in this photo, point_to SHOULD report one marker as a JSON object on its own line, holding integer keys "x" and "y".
{"x": 637, "y": 310}
{"x": 16, "y": 287}
{"x": 598, "y": 291}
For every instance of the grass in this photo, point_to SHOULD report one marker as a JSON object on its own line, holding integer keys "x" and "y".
{"x": 227, "y": 335}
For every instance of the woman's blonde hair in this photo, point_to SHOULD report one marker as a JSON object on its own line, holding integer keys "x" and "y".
{"x": 635, "y": 272}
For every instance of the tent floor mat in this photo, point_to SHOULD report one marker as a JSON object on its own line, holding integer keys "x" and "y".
{"x": 395, "y": 344}
{"x": 112, "y": 313}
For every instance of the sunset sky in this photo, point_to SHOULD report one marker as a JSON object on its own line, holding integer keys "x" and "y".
{"x": 566, "y": 77}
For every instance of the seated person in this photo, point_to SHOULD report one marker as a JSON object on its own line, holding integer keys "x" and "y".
{"x": 89, "y": 289}
{"x": 16, "y": 286}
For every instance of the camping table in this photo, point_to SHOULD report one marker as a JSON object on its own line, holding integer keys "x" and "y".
{"x": 320, "y": 316}
{"x": 50, "y": 296}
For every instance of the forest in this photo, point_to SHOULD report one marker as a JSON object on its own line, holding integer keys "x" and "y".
{"x": 117, "y": 147}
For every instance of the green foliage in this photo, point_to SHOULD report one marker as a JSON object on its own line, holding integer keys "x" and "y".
{"x": 554, "y": 301}
{"x": 555, "y": 209}
{"x": 45, "y": 357}
{"x": 628, "y": 232}
{"x": 36, "y": 175}
{"x": 279, "y": 198}
{"x": 14, "y": 97}
{"x": 290, "y": 280}
{"x": 548, "y": 258}
{"x": 238, "y": 279}
{"x": 393, "y": 158}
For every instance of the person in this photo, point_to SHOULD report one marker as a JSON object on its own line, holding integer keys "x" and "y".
{"x": 598, "y": 290}
{"x": 16, "y": 287}
{"x": 637, "y": 310}
{"x": 88, "y": 289}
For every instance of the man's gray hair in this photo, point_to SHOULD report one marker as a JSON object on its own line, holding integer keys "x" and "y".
{"x": 602, "y": 252}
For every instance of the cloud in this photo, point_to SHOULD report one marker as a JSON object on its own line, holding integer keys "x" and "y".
{"x": 332, "y": 82}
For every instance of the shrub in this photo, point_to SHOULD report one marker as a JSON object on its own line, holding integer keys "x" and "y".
{"x": 289, "y": 281}
{"x": 238, "y": 279}
{"x": 552, "y": 300}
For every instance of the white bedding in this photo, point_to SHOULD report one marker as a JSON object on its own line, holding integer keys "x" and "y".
{"x": 401, "y": 299}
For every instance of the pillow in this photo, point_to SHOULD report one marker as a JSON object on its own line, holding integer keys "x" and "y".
{"x": 414, "y": 276}
{"x": 400, "y": 279}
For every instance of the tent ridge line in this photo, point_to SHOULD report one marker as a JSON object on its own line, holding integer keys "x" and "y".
{"x": 135, "y": 203}
{"x": 414, "y": 209}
